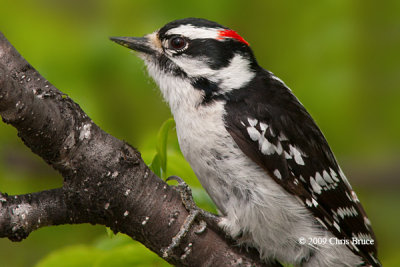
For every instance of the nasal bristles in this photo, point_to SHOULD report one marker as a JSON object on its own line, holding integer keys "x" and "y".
{"x": 231, "y": 34}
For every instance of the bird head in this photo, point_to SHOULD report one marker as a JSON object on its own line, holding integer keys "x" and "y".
{"x": 194, "y": 60}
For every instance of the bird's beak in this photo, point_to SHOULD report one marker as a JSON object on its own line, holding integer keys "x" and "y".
{"x": 140, "y": 44}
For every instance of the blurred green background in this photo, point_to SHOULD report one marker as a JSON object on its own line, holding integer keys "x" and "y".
{"x": 341, "y": 58}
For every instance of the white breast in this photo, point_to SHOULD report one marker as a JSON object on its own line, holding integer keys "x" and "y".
{"x": 250, "y": 200}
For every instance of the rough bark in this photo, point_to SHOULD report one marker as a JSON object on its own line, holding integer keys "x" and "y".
{"x": 105, "y": 179}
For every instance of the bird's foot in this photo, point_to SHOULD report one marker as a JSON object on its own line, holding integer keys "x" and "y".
{"x": 194, "y": 213}
{"x": 187, "y": 200}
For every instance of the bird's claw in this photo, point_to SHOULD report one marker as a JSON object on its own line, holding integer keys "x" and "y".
{"x": 176, "y": 178}
{"x": 185, "y": 193}
{"x": 194, "y": 212}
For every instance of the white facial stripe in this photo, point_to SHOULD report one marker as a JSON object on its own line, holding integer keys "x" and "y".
{"x": 236, "y": 74}
{"x": 193, "y": 32}
{"x": 233, "y": 76}
{"x": 194, "y": 67}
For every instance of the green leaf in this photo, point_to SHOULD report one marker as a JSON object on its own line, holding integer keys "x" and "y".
{"x": 155, "y": 165}
{"x": 109, "y": 232}
{"x": 159, "y": 163}
{"x": 162, "y": 139}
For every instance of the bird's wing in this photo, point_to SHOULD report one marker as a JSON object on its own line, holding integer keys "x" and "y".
{"x": 284, "y": 140}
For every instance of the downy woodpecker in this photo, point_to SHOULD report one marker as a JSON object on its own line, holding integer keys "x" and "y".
{"x": 255, "y": 149}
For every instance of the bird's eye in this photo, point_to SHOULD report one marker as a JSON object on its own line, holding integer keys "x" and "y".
{"x": 177, "y": 43}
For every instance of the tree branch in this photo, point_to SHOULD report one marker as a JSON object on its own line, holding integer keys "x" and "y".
{"x": 20, "y": 215}
{"x": 105, "y": 179}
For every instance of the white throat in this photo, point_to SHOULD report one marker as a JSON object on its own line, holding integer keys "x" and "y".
{"x": 177, "y": 92}
{"x": 180, "y": 94}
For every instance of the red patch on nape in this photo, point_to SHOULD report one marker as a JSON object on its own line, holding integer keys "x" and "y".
{"x": 231, "y": 34}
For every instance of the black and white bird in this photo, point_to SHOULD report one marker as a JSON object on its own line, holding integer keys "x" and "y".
{"x": 255, "y": 149}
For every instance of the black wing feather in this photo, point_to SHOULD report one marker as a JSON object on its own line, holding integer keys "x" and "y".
{"x": 289, "y": 126}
